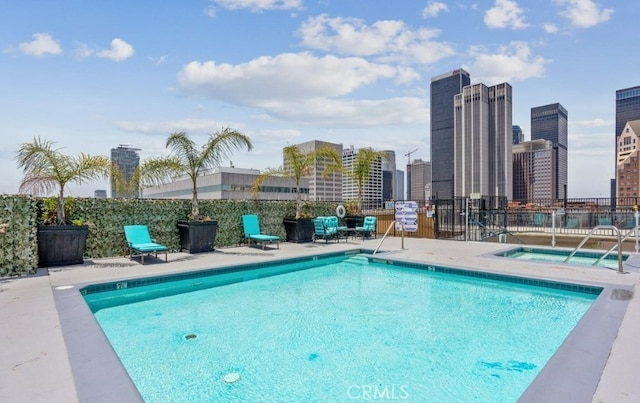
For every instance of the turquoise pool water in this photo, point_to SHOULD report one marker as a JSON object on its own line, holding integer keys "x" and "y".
{"x": 339, "y": 330}
{"x": 582, "y": 258}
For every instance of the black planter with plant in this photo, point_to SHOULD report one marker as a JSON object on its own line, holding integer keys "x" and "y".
{"x": 197, "y": 236}
{"x": 45, "y": 170}
{"x": 298, "y": 230}
{"x": 61, "y": 245}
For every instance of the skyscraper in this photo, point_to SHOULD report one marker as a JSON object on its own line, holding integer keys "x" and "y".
{"x": 628, "y": 156}
{"x": 534, "y": 167}
{"x": 127, "y": 159}
{"x": 443, "y": 90}
{"x": 321, "y": 187}
{"x": 389, "y": 183}
{"x": 550, "y": 122}
{"x": 627, "y": 108}
{"x": 418, "y": 180}
{"x": 518, "y": 134}
{"x": 372, "y": 189}
{"x": 483, "y": 139}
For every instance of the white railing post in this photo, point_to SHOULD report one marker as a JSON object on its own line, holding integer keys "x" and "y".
{"x": 553, "y": 229}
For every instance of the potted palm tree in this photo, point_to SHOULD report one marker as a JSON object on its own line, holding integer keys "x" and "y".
{"x": 360, "y": 173}
{"x": 47, "y": 169}
{"x": 297, "y": 165}
{"x": 197, "y": 233}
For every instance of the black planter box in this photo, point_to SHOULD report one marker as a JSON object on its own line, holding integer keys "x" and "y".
{"x": 197, "y": 236}
{"x": 298, "y": 230}
{"x": 61, "y": 245}
{"x": 353, "y": 221}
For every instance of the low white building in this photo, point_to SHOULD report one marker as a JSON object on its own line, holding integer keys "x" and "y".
{"x": 228, "y": 183}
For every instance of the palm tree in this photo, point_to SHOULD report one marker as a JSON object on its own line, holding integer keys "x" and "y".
{"x": 299, "y": 164}
{"x": 361, "y": 170}
{"x": 45, "y": 168}
{"x": 188, "y": 159}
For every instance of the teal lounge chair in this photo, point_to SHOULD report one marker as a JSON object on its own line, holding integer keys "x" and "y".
{"x": 139, "y": 242}
{"x": 368, "y": 227}
{"x": 323, "y": 231}
{"x": 252, "y": 232}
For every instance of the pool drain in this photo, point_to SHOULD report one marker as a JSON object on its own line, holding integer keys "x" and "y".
{"x": 231, "y": 377}
{"x": 190, "y": 336}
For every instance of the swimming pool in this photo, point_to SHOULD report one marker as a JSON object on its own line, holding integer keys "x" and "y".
{"x": 581, "y": 257}
{"x": 319, "y": 329}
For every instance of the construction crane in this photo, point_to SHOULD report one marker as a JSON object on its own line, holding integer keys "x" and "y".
{"x": 408, "y": 155}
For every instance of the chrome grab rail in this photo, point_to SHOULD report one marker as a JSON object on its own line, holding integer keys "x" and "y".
{"x": 383, "y": 237}
{"x": 632, "y": 231}
{"x": 586, "y": 238}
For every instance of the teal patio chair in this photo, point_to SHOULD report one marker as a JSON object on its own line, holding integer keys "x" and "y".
{"x": 251, "y": 225}
{"x": 139, "y": 242}
{"x": 322, "y": 231}
{"x": 368, "y": 227}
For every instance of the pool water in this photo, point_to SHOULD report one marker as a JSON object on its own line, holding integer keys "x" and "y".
{"x": 581, "y": 258}
{"x": 339, "y": 330}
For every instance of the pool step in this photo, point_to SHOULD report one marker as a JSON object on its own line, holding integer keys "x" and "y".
{"x": 357, "y": 259}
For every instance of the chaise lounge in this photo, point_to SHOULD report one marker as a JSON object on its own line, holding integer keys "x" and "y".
{"x": 252, "y": 232}
{"x": 139, "y": 242}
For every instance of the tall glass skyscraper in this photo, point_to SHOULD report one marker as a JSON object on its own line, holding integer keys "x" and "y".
{"x": 627, "y": 107}
{"x": 127, "y": 159}
{"x": 443, "y": 90}
{"x": 550, "y": 122}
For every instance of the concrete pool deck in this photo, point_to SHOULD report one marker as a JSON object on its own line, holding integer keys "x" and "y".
{"x": 34, "y": 360}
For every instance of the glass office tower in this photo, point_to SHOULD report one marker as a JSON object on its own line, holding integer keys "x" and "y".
{"x": 443, "y": 90}
{"x": 550, "y": 122}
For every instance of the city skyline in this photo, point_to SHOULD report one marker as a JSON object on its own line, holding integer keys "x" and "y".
{"x": 94, "y": 75}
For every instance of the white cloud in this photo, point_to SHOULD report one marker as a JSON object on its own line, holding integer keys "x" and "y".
{"x": 388, "y": 40}
{"x": 40, "y": 45}
{"x": 598, "y": 122}
{"x": 550, "y": 28}
{"x": 510, "y": 63}
{"x": 584, "y": 13}
{"x": 258, "y": 5}
{"x": 120, "y": 50}
{"x": 505, "y": 14}
{"x": 291, "y": 76}
{"x": 302, "y": 87}
{"x": 434, "y": 8}
{"x": 202, "y": 126}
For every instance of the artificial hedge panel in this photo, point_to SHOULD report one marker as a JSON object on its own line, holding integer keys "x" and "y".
{"x": 18, "y": 244}
{"x": 106, "y": 218}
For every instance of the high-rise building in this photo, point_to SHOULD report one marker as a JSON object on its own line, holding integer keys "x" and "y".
{"x": 322, "y": 187}
{"x": 534, "y": 167}
{"x": 518, "y": 134}
{"x": 443, "y": 90}
{"x": 627, "y": 109}
{"x": 127, "y": 159}
{"x": 550, "y": 122}
{"x": 372, "y": 189}
{"x": 483, "y": 140}
{"x": 400, "y": 185}
{"x": 627, "y": 155}
{"x": 389, "y": 182}
{"x": 419, "y": 180}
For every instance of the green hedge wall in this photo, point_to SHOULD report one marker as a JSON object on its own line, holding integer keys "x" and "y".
{"x": 20, "y": 216}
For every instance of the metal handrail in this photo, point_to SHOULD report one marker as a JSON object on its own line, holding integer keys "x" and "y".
{"x": 611, "y": 227}
{"x": 627, "y": 235}
{"x": 383, "y": 237}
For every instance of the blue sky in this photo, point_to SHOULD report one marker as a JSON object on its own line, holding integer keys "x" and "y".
{"x": 91, "y": 75}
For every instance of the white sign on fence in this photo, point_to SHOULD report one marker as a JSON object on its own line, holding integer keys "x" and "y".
{"x": 407, "y": 216}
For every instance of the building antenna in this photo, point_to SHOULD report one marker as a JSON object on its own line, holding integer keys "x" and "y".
{"x": 409, "y": 155}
